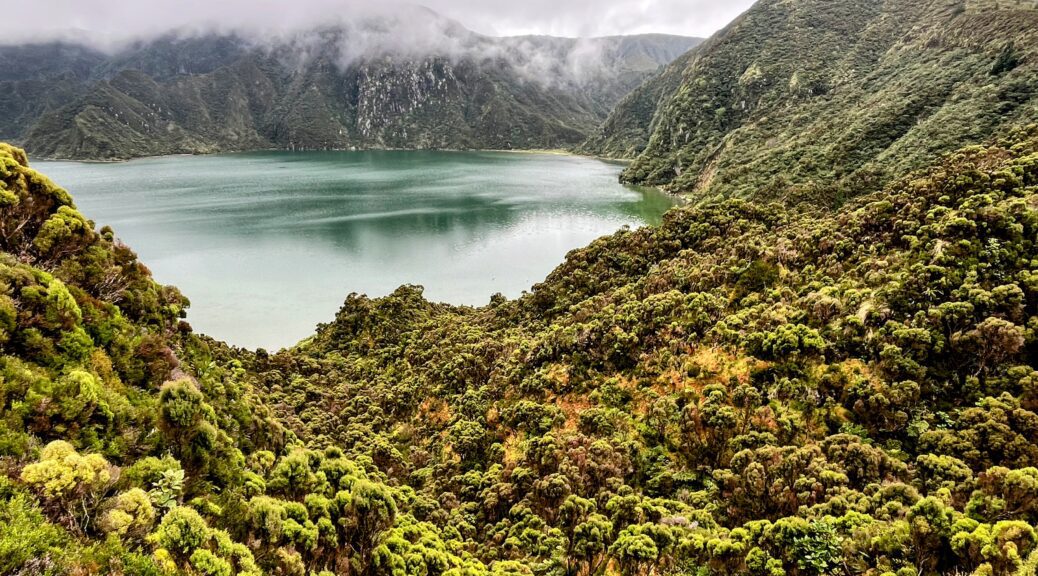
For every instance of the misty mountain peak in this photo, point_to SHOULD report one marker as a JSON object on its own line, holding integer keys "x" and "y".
{"x": 365, "y": 78}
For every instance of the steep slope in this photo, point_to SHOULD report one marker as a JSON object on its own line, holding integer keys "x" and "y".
{"x": 822, "y": 99}
{"x": 130, "y": 446}
{"x": 744, "y": 390}
{"x": 35, "y": 80}
{"x": 625, "y": 132}
{"x": 607, "y": 69}
{"x": 351, "y": 86}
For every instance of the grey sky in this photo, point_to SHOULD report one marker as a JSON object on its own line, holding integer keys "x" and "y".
{"x": 118, "y": 20}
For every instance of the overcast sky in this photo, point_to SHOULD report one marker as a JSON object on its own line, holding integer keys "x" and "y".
{"x": 118, "y": 20}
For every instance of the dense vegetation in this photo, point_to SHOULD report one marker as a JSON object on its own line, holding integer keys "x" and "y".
{"x": 824, "y": 99}
{"x": 742, "y": 390}
{"x": 745, "y": 389}
{"x": 208, "y": 93}
{"x": 750, "y": 388}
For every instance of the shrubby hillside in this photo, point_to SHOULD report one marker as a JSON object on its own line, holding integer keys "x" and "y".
{"x": 743, "y": 390}
{"x": 129, "y": 445}
{"x": 827, "y": 365}
{"x": 821, "y": 100}
{"x": 746, "y": 389}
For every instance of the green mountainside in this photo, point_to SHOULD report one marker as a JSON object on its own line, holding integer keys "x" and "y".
{"x": 199, "y": 94}
{"x": 758, "y": 386}
{"x": 625, "y": 132}
{"x": 823, "y": 99}
{"x": 745, "y": 389}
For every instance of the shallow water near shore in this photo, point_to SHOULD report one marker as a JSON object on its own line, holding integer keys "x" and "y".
{"x": 266, "y": 245}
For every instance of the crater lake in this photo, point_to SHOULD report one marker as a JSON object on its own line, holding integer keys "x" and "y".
{"x": 266, "y": 245}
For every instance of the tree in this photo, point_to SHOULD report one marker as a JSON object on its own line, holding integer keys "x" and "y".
{"x": 186, "y": 539}
{"x": 991, "y": 342}
{"x": 71, "y": 484}
{"x": 588, "y": 544}
{"x": 634, "y": 552}
{"x": 129, "y": 515}
{"x": 999, "y": 549}
{"x": 786, "y": 342}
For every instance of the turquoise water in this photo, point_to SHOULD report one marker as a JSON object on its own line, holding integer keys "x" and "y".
{"x": 267, "y": 245}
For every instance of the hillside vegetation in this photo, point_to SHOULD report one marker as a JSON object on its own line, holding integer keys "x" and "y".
{"x": 823, "y": 99}
{"x": 625, "y": 132}
{"x": 826, "y": 365}
{"x": 742, "y": 390}
{"x": 745, "y": 389}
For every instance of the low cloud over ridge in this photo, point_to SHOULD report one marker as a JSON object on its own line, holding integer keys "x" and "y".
{"x": 108, "y": 23}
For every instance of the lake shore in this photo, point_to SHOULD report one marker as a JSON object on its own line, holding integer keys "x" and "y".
{"x": 544, "y": 151}
{"x": 267, "y": 245}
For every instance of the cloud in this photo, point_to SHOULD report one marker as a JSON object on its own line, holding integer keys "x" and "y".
{"x": 347, "y": 31}
{"x": 414, "y": 34}
{"x": 114, "y": 22}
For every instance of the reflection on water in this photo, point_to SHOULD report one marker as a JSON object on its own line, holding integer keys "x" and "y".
{"x": 266, "y": 245}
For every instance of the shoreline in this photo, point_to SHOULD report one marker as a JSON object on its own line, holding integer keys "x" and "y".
{"x": 539, "y": 151}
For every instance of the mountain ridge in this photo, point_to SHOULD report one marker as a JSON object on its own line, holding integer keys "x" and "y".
{"x": 310, "y": 91}
{"x": 795, "y": 95}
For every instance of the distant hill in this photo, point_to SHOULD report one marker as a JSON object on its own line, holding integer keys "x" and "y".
{"x": 414, "y": 81}
{"x": 625, "y": 132}
{"x": 820, "y": 99}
